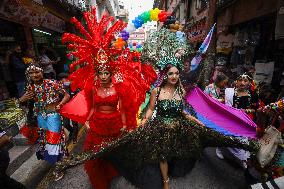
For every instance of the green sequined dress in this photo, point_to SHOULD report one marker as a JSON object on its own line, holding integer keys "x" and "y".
{"x": 170, "y": 135}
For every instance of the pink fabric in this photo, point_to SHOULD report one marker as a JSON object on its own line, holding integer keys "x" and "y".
{"x": 231, "y": 119}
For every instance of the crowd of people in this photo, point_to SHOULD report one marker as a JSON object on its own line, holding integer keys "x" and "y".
{"x": 110, "y": 85}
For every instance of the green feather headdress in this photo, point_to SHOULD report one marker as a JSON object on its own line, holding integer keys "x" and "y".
{"x": 170, "y": 60}
{"x": 163, "y": 48}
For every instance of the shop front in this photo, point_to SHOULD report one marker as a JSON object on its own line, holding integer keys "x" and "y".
{"x": 29, "y": 24}
{"x": 247, "y": 41}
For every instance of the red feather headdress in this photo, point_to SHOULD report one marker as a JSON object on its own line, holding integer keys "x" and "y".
{"x": 93, "y": 48}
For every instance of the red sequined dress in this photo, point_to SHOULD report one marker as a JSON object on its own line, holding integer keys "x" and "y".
{"x": 130, "y": 78}
{"x": 104, "y": 128}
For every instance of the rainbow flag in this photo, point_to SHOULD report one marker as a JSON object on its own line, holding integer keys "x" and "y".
{"x": 202, "y": 50}
{"x": 221, "y": 117}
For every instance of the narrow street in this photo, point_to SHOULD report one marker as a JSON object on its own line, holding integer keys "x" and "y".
{"x": 210, "y": 173}
{"x": 189, "y": 74}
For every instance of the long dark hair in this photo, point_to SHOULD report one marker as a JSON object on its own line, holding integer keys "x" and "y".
{"x": 178, "y": 85}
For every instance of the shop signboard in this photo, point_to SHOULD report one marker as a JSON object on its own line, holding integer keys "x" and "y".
{"x": 13, "y": 10}
{"x": 35, "y": 17}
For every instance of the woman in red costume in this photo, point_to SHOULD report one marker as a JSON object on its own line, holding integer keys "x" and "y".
{"x": 112, "y": 89}
{"x": 105, "y": 123}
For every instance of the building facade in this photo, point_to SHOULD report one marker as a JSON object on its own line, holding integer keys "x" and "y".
{"x": 196, "y": 21}
{"x": 249, "y": 33}
{"x": 35, "y": 24}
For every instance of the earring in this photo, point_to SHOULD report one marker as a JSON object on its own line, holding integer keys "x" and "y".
{"x": 165, "y": 77}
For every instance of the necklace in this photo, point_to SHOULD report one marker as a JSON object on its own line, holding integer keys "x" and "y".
{"x": 169, "y": 93}
{"x": 107, "y": 90}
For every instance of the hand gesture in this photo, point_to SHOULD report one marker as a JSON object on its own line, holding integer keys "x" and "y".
{"x": 191, "y": 118}
{"x": 143, "y": 122}
{"x": 58, "y": 107}
{"x": 27, "y": 96}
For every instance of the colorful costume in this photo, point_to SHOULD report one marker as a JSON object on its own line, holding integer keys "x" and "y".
{"x": 51, "y": 140}
{"x": 168, "y": 136}
{"x": 130, "y": 79}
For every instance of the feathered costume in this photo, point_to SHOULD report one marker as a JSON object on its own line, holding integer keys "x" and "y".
{"x": 168, "y": 136}
{"x": 130, "y": 79}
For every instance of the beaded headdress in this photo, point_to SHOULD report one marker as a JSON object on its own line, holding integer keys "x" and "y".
{"x": 30, "y": 68}
{"x": 244, "y": 75}
{"x": 33, "y": 67}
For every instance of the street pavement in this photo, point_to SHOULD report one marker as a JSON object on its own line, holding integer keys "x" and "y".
{"x": 210, "y": 173}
